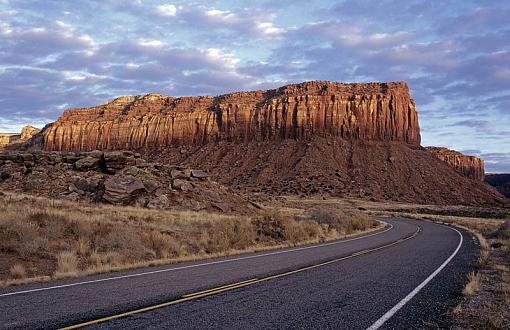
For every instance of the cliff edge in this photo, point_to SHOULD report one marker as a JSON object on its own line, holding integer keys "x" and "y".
{"x": 372, "y": 111}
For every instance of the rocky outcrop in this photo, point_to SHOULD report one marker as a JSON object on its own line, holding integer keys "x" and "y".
{"x": 470, "y": 166}
{"x": 499, "y": 181}
{"x": 28, "y": 132}
{"x": 373, "y": 111}
{"x": 9, "y": 139}
{"x": 117, "y": 177}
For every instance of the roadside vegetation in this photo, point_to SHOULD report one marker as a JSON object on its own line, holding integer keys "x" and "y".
{"x": 42, "y": 239}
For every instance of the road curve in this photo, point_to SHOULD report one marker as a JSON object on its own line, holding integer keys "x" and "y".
{"x": 353, "y": 283}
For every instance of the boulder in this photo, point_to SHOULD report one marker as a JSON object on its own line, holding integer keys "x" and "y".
{"x": 88, "y": 164}
{"x": 150, "y": 185}
{"x": 4, "y": 175}
{"x": 131, "y": 170}
{"x": 214, "y": 195}
{"x": 223, "y": 207}
{"x": 95, "y": 154}
{"x": 180, "y": 174}
{"x": 89, "y": 184}
{"x": 159, "y": 202}
{"x": 121, "y": 190}
{"x": 182, "y": 185}
{"x": 117, "y": 160}
{"x": 199, "y": 174}
{"x": 27, "y": 157}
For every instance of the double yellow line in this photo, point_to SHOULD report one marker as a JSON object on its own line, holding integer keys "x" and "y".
{"x": 237, "y": 285}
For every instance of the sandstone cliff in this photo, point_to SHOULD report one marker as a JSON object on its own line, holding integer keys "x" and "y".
{"x": 470, "y": 166}
{"x": 374, "y": 111}
{"x": 27, "y": 132}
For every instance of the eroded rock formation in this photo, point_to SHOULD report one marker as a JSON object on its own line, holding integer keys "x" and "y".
{"x": 374, "y": 111}
{"x": 470, "y": 166}
{"x": 27, "y": 132}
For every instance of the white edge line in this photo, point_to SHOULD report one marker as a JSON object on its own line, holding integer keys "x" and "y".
{"x": 377, "y": 324}
{"x": 192, "y": 266}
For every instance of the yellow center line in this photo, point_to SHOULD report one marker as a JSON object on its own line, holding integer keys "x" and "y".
{"x": 237, "y": 285}
{"x": 219, "y": 288}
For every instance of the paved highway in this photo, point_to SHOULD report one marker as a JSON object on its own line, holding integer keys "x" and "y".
{"x": 404, "y": 277}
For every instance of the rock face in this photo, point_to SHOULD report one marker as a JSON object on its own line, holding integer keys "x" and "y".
{"x": 499, "y": 181}
{"x": 8, "y": 139}
{"x": 373, "y": 111}
{"x": 470, "y": 166}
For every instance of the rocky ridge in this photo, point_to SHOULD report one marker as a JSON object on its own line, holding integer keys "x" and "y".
{"x": 118, "y": 177}
{"x": 469, "y": 166}
{"x": 373, "y": 111}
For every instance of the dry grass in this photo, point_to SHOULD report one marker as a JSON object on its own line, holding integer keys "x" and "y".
{"x": 62, "y": 239}
{"x": 472, "y": 285}
{"x": 67, "y": 264}
{"x": 18, "y": 271}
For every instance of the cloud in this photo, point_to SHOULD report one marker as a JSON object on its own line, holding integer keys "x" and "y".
{"x": 244, "y": 22}
{"x": 166, "y": 10}
{"x": 23, "y": 45}
{"x": 496, "y": 162}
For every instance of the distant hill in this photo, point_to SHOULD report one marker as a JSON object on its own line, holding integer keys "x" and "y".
{"x": 500, "y": 181}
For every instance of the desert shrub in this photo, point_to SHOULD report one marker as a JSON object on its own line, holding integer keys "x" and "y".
{"x": 82, "y": 246}
{"x": 271, "y": 225}
{"x": 164, "y": 246}
{"x": 67, "y": 263}
{"x": 122, "y": 241}
{"x": 281, "y": 228}
{"x": 472, "y": 285}
{"x": 325, "y": 218}
{"x": 99, "y": 260}
{"x": 76, "y": 229}
{"x": 21, "y": 237}
{"x": 18, "y": 271}
{"x": 295, "y": 232}
{"x": 230, "y": 234}
{"x": 342, "y": 222}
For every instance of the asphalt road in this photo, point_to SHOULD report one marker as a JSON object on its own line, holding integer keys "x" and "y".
{"x": 348, "y": 284}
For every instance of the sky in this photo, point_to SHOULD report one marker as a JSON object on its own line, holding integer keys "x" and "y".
{"x": 455, "y": 56}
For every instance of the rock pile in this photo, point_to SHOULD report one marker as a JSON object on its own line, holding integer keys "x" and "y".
{"x": 118, "y": 177}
